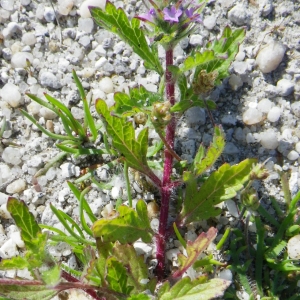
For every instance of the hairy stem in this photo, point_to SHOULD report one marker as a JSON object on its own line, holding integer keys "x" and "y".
{"x": 165, "y": 189}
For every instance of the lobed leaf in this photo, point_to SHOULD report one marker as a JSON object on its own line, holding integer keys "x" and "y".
{"x": 136, "y": 269}
{"x": 194, "y": 249}
{"x": 223, "y": 184}
{"x": 186, "y": 289}
{"x": 127, "y": 227}
{"x": 139, "y": 99}
{"x": 202, "y": 161}
{"x": 25, "y": 221}
{"x": 116, "y": 21}
{"x": 123, "y": 135}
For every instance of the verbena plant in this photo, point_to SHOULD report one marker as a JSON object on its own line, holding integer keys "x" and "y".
{"x": 111, "y": 267}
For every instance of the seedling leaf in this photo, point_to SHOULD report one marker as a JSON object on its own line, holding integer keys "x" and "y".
{"x": 127, "y": 227}
{"x": 194, "y": 249}
{"x": 186, "y": 289}
{"x": 223, "y": 184}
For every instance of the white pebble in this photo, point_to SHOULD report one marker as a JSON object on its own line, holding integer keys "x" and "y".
{"x": 297, "y": 147}
{"x": 235, "y": 82}
{"x": 10, "y": 29}
{"x": 16, "y": 186}
{"x": 296, "y": 108}
{"x": 270, "y": 56}
{"x": 86, "y": 24}
{"x": 3, "y": 199}
{"x": 18, "y": 60}
{"x": 48, "y": 79}
{"x": 16, "y": 238}
{"x": 269, "y": 139}
{"x": 10, "y": 93}
{"x": 252, "y": 116}
{"x": 47, "y": 113}
{"x": 293, "y": 247}
{"x": 265, "y": 105}
{"x": 240, "y": 67}
{"x": 210, "y": 22}
{"x": 84, "y": 8}
{"x": 49, "y": 14}
{"x": 9, "y": 249}
{"x": 226, "y": 274}
{"x": 293, "y": 155}
{"x": 115, "y": 192}
{"x": 12, "y": 156}
{"x": 65, "y": 6}
{"x": 172, "y": 254}
{"x": 274, "y": 114}
{"x": 4, "y": 213}
{"x": 142, "y": 248}
{"x": 106, "y": 85}
{"x": 231, "y": 206}
{"x": 69, "y": 170}
{"x": 265, "y": 7}
{"x": 196, "y": 40}
{"x": 285, "y": 87}
{"x": 28, "y": 38}
{"x": 7, "y": 4}
{"x": 239, "y": 14}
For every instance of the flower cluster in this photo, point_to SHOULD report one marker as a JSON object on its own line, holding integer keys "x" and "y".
{"x": 176, "y": 20}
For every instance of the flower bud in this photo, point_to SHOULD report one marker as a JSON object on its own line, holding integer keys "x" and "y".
{"x": 161, "y": 115}
{"x": 204, "y": 82}
{"x": 250, "y": 199}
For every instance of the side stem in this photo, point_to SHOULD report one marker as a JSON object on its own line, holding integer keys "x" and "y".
{"x": 165, "y": 189}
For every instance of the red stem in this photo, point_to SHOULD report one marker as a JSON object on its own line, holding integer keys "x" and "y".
{"x": 165, "y": 189}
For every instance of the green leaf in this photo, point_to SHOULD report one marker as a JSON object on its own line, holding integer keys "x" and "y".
{"x": 228, "y": 44}
{"x": 123, "y": 135}
{"x": 223, "y": 184}
{"x": 186, "y": 289}
{"x": 137, "y": 297}
{"x": 17, "y": 262}
{"x": 25, "y": 221}
{"x": 136, "y": 269}
{"x": 117, "y": 277}
{"x": 194, "y": 249}
{"x": 139, "y": 99}
{"x": 28, "y": 292}
{"x": 52, "y": 276}
{"x": 127, "y": 227}
{"x": 202, "y": 161}
{"x": 116, "y": 21}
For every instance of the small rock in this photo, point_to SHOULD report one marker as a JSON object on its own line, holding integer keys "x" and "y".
{"x": 47, "y": 113}
{"x": 49, "y": 14}
{"x": 293, "y": 247}
{"x": 285, "y": 87}
{"x": 229, "y": 120}
{"x": 12, "y": 156}
{"x": 231, "y": 206}
{"x": 3, "y": 199}
{"x": 106, "y": 85}
{"x": 16, "y": 186}
{"x": 86, "y": 24}
{"x": 269, "y": 139}
{"x": 240, "y": 67}
{"x": 10, "y": 93}
{"x": 226, "y": 274}
{"x": 265, "y": 105}
{"x": 8, "y": 4}
{"x": 274, "y": 114}
{"x": 4, "y": 213}
{"x": 11, "y": 29}
{"x": 235, "y": 82}
{"x": 18, "y": 60}
{"x": 69, "y": 170}
{"x": 293, "y": 155}
{"x": 265, "y": 7}
{"x": 65, "y": 6}
{"x": 231, "y": 149}
{"x": 296, "y": 108}
{"x": 196, "y": 40}
{"x": 195, "y": 116}
{"x": 270, "y": 56}
{"x": 84, "y": 8}
{"x": 85, "y": 41}
{"x": 210, "y": 22}
{"x": 29, "y": 39}
{"x": 252, "y": 116}
{"x": 16, "y": 238}
{"x": 239, "y": 15}
{"x": 9, "y": 249}
{"x": 50, "y": 80}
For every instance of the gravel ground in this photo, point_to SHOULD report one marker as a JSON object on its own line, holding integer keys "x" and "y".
{"x": 258, "y": 105}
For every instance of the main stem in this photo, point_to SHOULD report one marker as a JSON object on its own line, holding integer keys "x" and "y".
{"x": 166, "y": 182}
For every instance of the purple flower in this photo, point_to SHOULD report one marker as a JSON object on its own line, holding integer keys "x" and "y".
{"x": 193, "y": 17}
{"x": 172, "y": 14}
{"x": 149, "y": 16}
